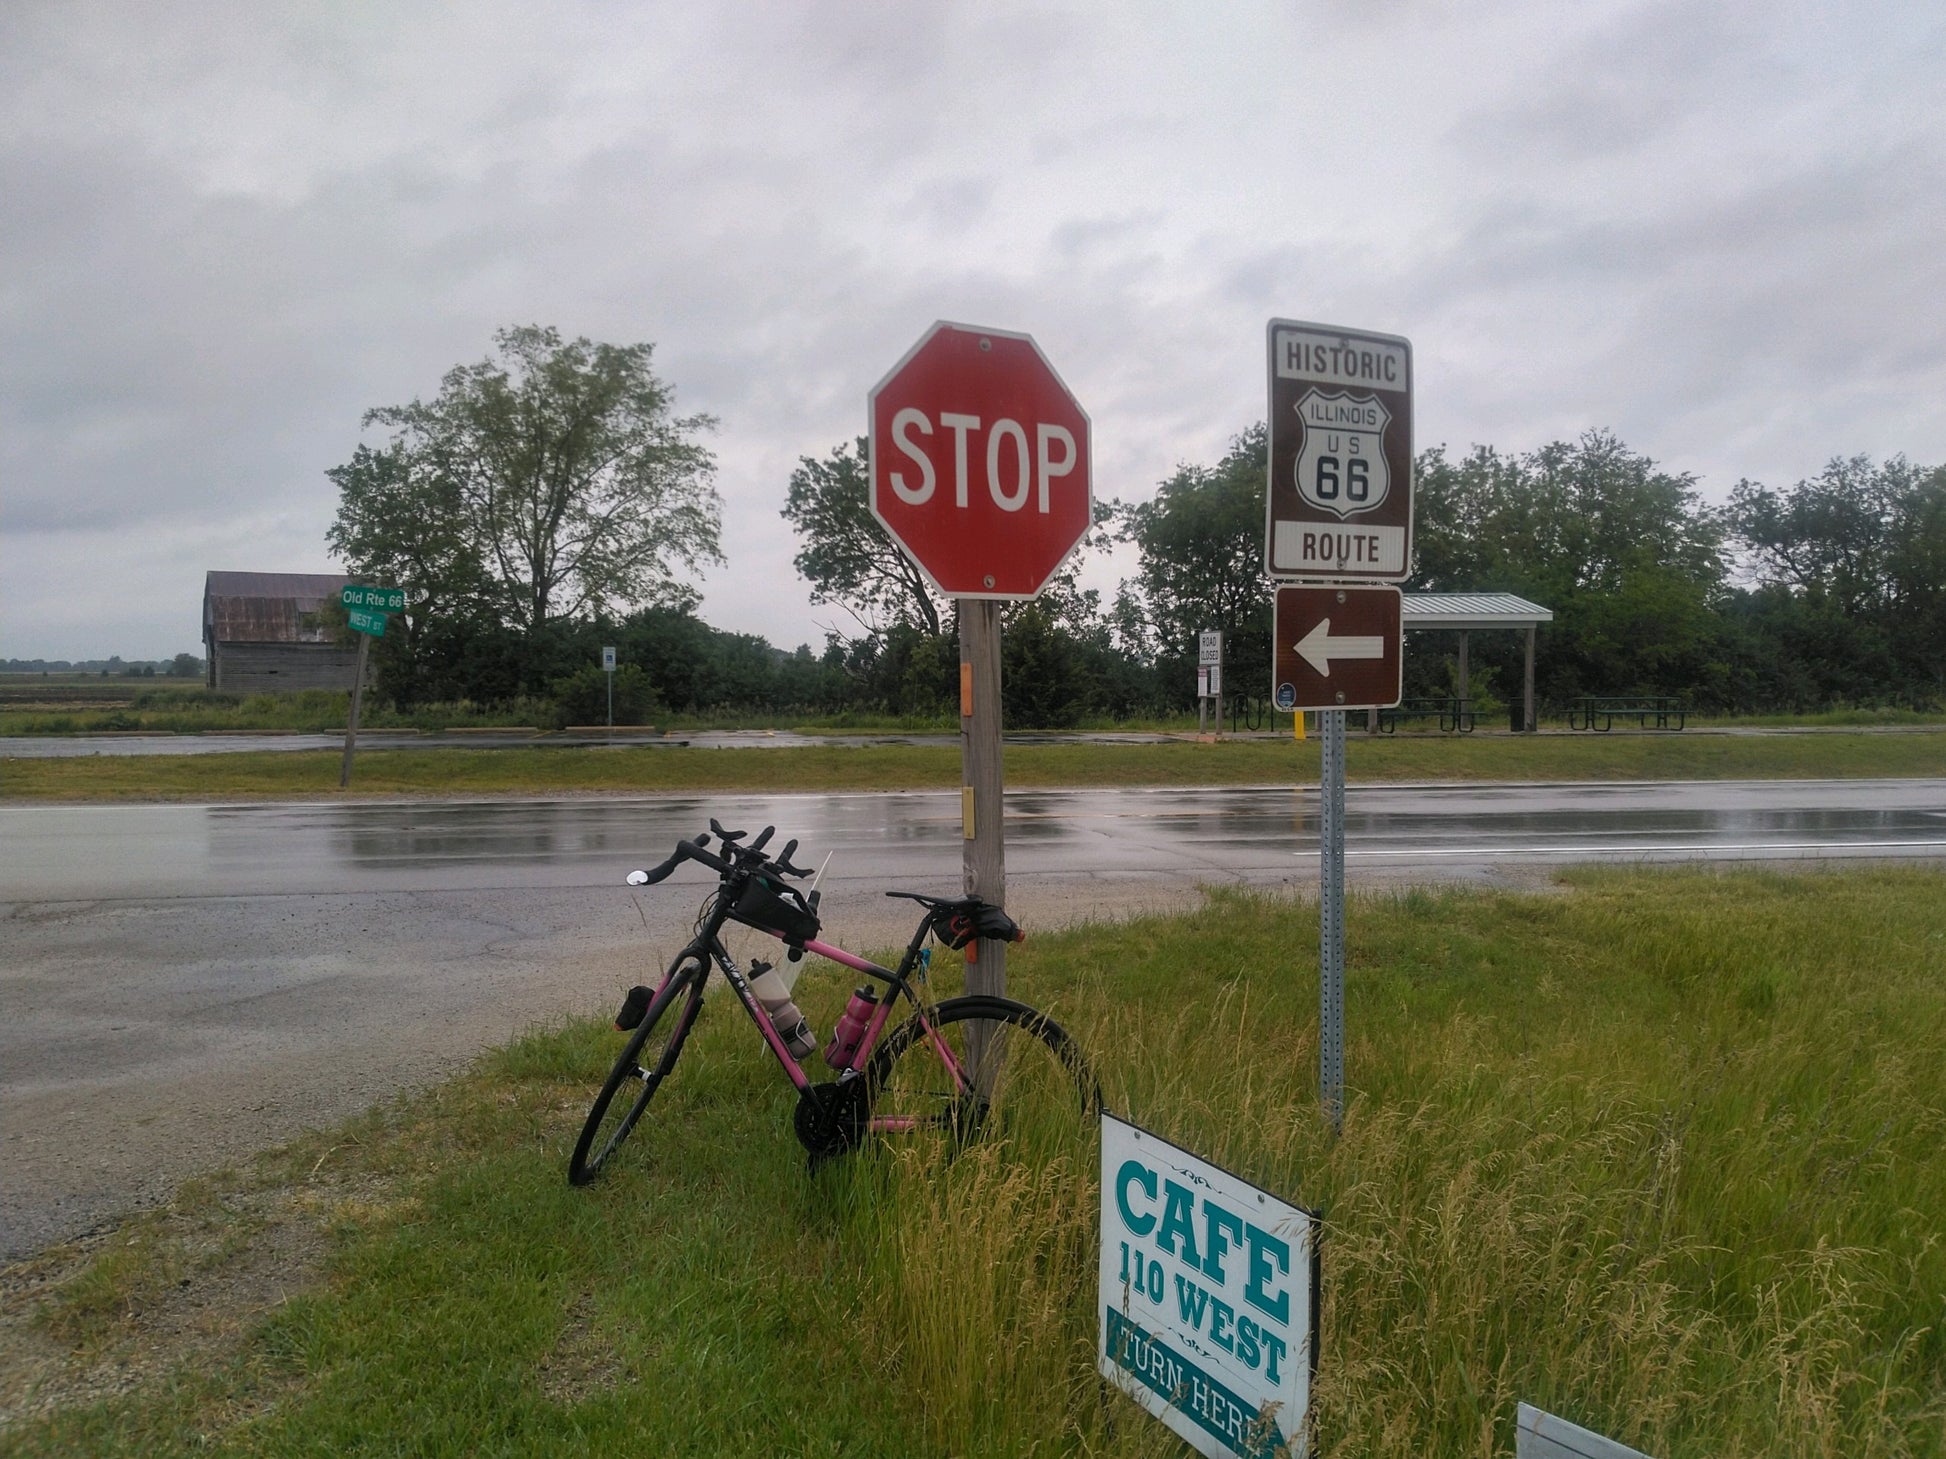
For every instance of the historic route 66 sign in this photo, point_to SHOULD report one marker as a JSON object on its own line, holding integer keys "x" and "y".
{"x": 1340, "y": 501}
{"x": 1341, "y": 466}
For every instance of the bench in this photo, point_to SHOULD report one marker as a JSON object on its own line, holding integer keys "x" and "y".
{"x": 1649, "y": 711}
{"x": 1453, "y": 714}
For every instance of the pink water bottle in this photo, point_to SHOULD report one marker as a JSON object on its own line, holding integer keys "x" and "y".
{"x": 852, "y": 1024}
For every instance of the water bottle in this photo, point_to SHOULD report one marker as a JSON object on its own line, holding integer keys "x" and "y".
{"x": 851, "y": 1028}
{"x": 775, "y": 996}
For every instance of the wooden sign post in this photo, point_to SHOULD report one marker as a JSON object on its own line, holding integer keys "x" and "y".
{"x": 981, "y": 472}
{"x": 365, "y": 611}
{"x": 982, "y": 815}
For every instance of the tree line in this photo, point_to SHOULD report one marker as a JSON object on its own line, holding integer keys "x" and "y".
{"x": 549, "y": 501}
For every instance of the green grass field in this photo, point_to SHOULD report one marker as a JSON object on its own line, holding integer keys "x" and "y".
{"x": 646, "y": 768}
{"x": 1661, "y": 1152}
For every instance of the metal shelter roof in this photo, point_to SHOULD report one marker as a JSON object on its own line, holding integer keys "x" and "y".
{"x": 1472, "y": 610}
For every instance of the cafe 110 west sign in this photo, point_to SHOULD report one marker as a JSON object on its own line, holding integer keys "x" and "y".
{"x": 1208, "y": 1297}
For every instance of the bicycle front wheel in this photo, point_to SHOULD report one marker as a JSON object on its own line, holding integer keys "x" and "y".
{"x": 645, "y": 1062}
{"x": 983, "y": 1068}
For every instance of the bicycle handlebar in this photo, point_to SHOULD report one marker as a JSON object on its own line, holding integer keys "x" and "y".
{"x": 749, "y": 857}
{"x": 685, "y": 851}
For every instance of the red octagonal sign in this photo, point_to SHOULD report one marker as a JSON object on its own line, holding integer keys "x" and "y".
{"x": 980, "y": 462}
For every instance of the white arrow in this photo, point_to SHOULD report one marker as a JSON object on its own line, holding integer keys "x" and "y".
{"x": 1318, "y": 648}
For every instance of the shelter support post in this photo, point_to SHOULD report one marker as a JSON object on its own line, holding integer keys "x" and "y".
{"x": 1462, "y": 665}
{"x": 1528, "y": 722}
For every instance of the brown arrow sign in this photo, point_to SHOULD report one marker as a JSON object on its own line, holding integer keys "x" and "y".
{"x": 1337, "y": 647}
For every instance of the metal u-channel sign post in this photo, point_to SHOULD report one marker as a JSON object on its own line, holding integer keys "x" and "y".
{"x": 1331, "y": 915}
{"x": 1338, "y": 514}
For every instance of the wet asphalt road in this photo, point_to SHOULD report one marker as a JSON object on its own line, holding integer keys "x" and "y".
{"x": 122, "y": 852}
{"x": 183, "y": 984}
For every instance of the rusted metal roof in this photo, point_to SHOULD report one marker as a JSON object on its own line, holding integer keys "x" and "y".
{"x": 268, "y": 607}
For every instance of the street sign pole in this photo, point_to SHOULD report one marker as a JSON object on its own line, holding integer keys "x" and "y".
{"x": 1338, "y": 513}
{"x": 1209, "y": 676}
{"x": 981, "y": 798}
{"x": 981, "y": 471}
{"x": 982, "y": 803}
{"x": 357, "y": 699}
{"x": 366, "y": 609}
{"x": 1331, "y": 916}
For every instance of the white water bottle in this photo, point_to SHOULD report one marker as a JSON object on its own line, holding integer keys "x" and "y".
{"x": 775, "y": 996}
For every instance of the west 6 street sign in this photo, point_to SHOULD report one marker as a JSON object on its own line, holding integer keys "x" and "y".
{"x": 1340, "y": 499}
{"x": 1337, "y": 647}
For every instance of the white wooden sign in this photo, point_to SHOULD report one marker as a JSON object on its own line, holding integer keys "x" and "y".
{"x": 1209, "y": 1297}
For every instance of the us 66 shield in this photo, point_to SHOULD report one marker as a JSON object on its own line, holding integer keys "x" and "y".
{"x": 1340, "y": 499}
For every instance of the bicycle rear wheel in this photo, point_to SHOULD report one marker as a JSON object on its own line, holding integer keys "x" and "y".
{"x": 986, "y": 1068}
{"x": 645, "y": 1062}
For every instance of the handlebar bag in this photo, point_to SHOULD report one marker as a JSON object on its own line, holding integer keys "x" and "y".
{"x": 775, "y": 908}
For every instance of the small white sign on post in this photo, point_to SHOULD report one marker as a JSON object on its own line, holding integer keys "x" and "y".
{"x": 608, "y": 660}
{"x": 1209, "y": 646}
{"x": 1208, "y": 1298}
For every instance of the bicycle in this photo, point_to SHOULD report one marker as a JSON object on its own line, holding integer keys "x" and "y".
{"x": 958, "y": 1069}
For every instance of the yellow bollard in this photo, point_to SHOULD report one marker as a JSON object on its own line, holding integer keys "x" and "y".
{"x": 1297, "y": 725}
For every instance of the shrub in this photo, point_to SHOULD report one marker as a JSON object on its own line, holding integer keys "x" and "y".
{"x": 582, "y": 698}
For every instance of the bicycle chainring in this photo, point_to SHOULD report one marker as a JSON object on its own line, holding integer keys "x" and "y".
{"x": 831, "y": 1118}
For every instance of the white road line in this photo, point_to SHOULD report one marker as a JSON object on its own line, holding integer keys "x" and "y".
{"x": 1491, "y": 851}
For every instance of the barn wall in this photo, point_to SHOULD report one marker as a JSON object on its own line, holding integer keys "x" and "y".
{"x": 273, "y": 668}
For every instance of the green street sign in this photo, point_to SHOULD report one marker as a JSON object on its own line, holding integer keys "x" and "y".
{"x": 383, "y": 600}
{"x": 366, "y": 621}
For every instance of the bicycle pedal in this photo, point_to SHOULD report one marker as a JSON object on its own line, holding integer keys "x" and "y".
{"x": 634, "y": 1008}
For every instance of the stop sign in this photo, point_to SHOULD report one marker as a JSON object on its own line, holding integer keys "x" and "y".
{"x": 980, "y": 463}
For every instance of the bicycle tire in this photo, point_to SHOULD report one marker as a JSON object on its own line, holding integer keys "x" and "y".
{"x": 608, "y": 1124}
{"x": 1042, "y": 1091}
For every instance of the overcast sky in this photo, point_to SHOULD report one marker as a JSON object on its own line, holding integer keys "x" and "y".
{"x": 227, "y": 231}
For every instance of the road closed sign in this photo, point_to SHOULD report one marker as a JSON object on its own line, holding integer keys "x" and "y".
{"x": 1340, "y": 499}
{"x": 1208, "y": 1299}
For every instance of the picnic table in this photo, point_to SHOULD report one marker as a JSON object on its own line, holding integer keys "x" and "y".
{"x": 1649, "y": 711}
{"x": 1453, "y": 714}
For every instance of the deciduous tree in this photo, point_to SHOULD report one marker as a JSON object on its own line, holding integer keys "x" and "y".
{"x": 846, "y": 556}
{"x": 553, "y": 477}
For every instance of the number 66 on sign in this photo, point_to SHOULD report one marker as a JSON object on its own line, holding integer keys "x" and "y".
{"x": 1340, "y": 499}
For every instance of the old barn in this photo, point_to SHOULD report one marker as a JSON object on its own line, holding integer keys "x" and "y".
{"x": 265, "y": 632}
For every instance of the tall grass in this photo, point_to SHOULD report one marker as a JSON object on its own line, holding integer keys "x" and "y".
{"x": 1661, "y": 1153}
{"x": 1662, "y": 1156}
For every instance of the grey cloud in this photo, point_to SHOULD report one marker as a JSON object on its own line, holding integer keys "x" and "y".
{"x": 1648, "y": 72}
